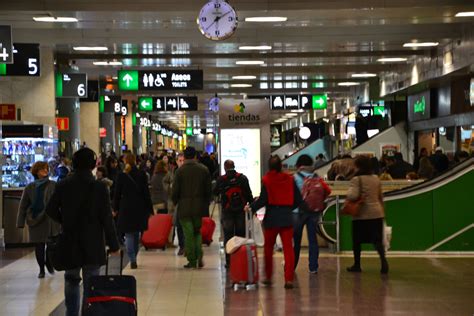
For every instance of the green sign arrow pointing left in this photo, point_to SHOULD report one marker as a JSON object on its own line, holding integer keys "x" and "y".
{"x": 145, "y": 104}
{"x": 128, "y": 80}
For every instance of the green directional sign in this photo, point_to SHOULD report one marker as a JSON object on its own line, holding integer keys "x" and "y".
{"x": 128, "y": 80}
{"x": 379, "y": 110}
{"x": 420, "y": 106}
{"x": 145, "y": 104}
{"x": 189, "y": 131}
{"x": 320, "y": 101}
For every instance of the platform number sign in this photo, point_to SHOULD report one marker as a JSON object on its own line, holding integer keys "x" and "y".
{"x": 112, "y": 104}
{"x": 6, "y": 47}
{"x": 71, "y": 85}
{"x": 26, "y": 61}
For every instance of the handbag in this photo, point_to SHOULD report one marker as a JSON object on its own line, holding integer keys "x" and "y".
{"x": 352, "y": 207}
{"x": 64, "y": 250}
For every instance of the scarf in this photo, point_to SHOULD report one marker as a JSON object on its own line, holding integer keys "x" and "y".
{"x": 38, "y": 203}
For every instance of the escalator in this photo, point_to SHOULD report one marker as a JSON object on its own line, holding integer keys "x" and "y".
{"x": 392, "y": 135}
{"x": 436, "y": 215}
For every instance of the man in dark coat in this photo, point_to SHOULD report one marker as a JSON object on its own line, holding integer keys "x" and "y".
{"x": 234, "y": 189}
{"x": 82, "y": 206}
{"x": 192, "y": 193}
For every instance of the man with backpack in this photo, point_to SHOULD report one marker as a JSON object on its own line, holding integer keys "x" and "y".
{"x": 234, "y": 189}
{"x": 313, "y": 191}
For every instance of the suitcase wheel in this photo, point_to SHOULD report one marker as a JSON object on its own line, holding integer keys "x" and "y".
{"x": 251, "y": 287}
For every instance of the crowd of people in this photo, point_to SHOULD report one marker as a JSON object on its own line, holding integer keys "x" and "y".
{"x": 113, "y": 206}
{"x": 394, "y": 167}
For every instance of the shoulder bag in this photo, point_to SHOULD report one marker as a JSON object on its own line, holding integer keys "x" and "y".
{"x": 352, "y": 207}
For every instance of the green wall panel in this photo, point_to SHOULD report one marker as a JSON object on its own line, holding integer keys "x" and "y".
{"x": 463, "y": 242}
{"x": 453, "y": 210}
{"x": 411, "y": 220}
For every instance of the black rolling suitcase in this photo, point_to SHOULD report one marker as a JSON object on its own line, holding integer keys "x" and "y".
{"x": 112, "y": 294}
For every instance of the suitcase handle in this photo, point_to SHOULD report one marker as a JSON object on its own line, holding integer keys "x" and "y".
{"x": 249, "y": 227}
{"x": 107, "y": 261}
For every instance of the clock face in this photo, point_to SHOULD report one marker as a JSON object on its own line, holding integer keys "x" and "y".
{"x": 217, "y": 20}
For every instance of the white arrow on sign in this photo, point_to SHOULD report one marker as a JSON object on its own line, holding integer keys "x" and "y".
{"x": 320, "y": 101}
{"x": 145, "y": 104}
{"x": 127, "y": 78}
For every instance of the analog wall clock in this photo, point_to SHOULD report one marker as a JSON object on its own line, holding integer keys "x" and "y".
{"x": 217, "y": 20}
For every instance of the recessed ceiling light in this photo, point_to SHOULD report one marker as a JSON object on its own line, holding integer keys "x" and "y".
{"x": 391, "y": 59}
{"x": 114, "y": 78}
{"x": 262, "y": 47}
{"x": 250, "y": 62}
{"x": 59, "y": 19}
{"x": 291, "y": 114}
{"x": 348, "y": 84}
{"x": 465, "y": 14}
{"x": 422, "y": 44}
{"x": 364, "y": 75}
{"x": 241, "y": 85}
{"x": 107, "y": 63}
{"x": 266, "y": 19}
{"x": 297, "y": 111}
{"x": 244, "y": 77}
{"x": 90, "y": 48}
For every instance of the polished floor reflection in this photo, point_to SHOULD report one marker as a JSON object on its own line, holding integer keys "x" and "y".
{"x": 414, "y": 286}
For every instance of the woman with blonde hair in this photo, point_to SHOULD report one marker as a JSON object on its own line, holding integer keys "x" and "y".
{"x": 132, "y": 205}
{"x": 32, "y": 212}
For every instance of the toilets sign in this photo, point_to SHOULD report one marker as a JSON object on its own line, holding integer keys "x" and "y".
{"x": 139, "y": 80}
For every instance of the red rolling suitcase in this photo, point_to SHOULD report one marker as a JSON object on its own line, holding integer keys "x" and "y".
{"x": 112, "y": 294}
{"x": 159, "y": 228}
{"x": 244, "y": 262}
{"x": 207, "y": 228}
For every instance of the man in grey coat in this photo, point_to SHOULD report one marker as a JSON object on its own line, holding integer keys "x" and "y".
{"x": 192, "y": 193}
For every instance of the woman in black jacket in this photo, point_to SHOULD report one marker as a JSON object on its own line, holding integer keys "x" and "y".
{"x": 132, "y": 205}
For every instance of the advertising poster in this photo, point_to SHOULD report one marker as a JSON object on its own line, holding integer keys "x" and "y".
{"x": 389, "y": 149}
{"x": 243, "y": 147}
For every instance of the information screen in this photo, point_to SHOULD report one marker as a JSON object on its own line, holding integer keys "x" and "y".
{"x": 243, "y": 147}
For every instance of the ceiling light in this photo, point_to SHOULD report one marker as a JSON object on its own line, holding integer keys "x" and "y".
{"x": 391, "y": 59}
{"x": 53, "y": 19}
{"x": 423, "y": 44}
{"x": 262, "y": 47}
{"x": 465, "y": 14}
{"x": 363, "y": 75}
{"x": 291, "y": 114}
{"x": 241, "y": 85}
{"x": 266, "y": 19}
{"x": 250, "y": 62}
{"x": 90, "y": 48}
{"x": 297, "y": 111}
{"x": 107, "y": 63}
{"x": 348, "y": 84}
{"x": 244, "y": 77}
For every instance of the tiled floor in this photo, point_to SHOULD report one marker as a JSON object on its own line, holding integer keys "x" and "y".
{"x": 415, "y": 286}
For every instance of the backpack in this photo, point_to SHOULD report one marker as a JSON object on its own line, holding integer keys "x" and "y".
{"x": 313, "y": 194}
{"x": 233, "y": 195}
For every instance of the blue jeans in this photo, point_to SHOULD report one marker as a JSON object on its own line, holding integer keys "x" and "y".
{"x": 132, "y": 244}
{"x": 72, "y": 293}
{"x": 311, "y": 221}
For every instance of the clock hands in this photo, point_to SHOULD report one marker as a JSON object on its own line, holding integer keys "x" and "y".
{"x": 217, "y": 19}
